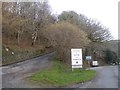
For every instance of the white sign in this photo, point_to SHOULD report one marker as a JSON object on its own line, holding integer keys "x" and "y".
{"x": 76, "y": 58}
{"x": 88, "y": 57}
{"x": 76, "y": 66}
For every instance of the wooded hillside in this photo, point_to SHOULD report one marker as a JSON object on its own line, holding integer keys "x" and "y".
{"x": 29, "y": 29}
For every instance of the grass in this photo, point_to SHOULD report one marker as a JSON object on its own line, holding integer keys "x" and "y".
{"x": 21, "y": 53}
{"x": 61, "y": 76}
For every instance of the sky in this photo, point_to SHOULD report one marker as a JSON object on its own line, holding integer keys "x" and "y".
{"x": 104, "y": 11}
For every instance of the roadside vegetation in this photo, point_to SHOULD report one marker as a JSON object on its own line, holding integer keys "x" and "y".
{"x": 22, "y": 32}
{"x": 111, "y": 56}
{"x": 59, "y": 75}
{"x": 63, "y": 36}
{"x": 29, "y": 29}
{"x": 17, "y": 54}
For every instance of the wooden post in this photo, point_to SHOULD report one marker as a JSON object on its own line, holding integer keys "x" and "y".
{"x": 88, "y": 63}
{"x": 72, "y": 69}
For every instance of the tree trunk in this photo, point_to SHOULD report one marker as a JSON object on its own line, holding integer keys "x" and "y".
{"x": 34, "y": 37}
{"x": 18, "y": 41}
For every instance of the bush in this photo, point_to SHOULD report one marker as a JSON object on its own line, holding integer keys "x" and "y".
{"x": 63, "y": 36}
{"x": 111, "y": 56}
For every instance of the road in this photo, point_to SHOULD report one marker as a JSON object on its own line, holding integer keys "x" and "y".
{"x": 13, "y": 75}
{"x": 107, "y": 77}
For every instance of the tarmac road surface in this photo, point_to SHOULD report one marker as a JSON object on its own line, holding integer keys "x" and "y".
{"x": 13, "y": 75}
{"x": 107, "y": 77}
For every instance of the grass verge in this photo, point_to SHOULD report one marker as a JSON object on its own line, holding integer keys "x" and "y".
{"x": 21, "y": 53}
{"x": 61, "y": 76}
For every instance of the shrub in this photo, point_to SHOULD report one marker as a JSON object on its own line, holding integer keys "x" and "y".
{"x": 63, "y": 36}
{"x": 111, "y": 56}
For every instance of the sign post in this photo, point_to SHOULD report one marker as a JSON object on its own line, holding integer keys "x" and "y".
{"x": 88, "y": 58}
{"x": 76, "y": 58}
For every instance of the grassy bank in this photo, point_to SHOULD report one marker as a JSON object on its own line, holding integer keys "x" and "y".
{"x": 21, "y": 53}
{"x": 61, "y": 76}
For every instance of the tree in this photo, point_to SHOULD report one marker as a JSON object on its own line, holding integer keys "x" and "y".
{"x": 69, "y": 16}
{"x": 63, "y": 36}
{"x": 96, "y": 32}
{"x": 26, "y": 20}
{"x": 13, "y": 22}
{"x": 111, "y": 56}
